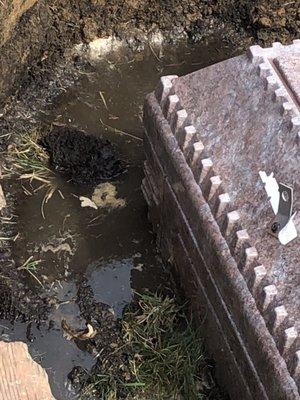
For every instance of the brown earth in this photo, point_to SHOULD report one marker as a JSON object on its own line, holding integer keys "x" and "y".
{"x": 34, "y": 34}
{"x": 34, "y": 37}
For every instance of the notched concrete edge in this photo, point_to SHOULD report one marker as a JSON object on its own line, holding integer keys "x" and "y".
{"x": 239, "y": 242}
{"x": 225, "y": 214}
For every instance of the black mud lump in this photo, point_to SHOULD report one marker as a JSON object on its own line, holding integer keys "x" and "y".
{"x": 81, "y": 158}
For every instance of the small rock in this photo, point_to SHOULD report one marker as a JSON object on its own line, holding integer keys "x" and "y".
{"x": 265, "y": 22}
{"x": 281, "y": 11}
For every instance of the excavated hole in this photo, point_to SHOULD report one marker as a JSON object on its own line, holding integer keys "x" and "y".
{"x": 85, "y": 234}
{"x": 77, "y": 242}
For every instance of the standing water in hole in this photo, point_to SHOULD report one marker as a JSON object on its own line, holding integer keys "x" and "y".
{"x": 95, "y": 247}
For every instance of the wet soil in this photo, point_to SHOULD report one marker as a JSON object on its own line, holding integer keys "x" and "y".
{"x": 37, "y": 40}
{"x": 91, "y": 259}
{"x": 81, "y": 158}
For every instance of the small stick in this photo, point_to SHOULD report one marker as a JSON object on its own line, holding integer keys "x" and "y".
{"x": 120, "y": 132}
{"x": 153, "y": 52}
{"x": 103, "y": 99}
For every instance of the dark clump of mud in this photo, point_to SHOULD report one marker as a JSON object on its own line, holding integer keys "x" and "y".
{"x": 107, "y": 346}
{"x": 83, "y": 159}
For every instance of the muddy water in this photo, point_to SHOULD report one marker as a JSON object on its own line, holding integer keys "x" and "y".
{"x": 113, "y": 250}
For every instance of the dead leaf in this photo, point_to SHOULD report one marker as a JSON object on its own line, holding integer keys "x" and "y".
{"x": 71, "y": 333}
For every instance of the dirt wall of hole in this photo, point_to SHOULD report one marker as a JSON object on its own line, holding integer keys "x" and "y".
{"x": 34, "y": 34}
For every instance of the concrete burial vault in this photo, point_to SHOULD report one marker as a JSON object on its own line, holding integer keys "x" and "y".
{"x": 222, "y": 168}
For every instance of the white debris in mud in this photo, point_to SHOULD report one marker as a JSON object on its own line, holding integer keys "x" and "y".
{"x": 86, "y": 202}
{"x": 101, "y": 47}
{"x": 70, "y": 333}
{"x": 104, "y": 195}
{"x": 139, "y": 267}
{"x": 56, "y": 249}
{"x": 64, "y": 246}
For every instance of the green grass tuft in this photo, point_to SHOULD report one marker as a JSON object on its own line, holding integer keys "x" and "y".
{"x": 164, "y": 355}
{"x": 31, "y": 266}
{"x": 166, "y": 351}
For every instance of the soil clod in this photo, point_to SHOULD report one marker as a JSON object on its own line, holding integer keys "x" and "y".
{"x": 81, "y": 158}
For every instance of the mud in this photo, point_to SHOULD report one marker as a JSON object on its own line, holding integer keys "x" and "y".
{"x": 81, "y": 158}
{"x": 91, "y": 259}
{"x": 36, "y": 36}
{"x": 109, "y": 362}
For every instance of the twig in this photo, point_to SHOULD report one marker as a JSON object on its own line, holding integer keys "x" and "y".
{"x": 103, "y": 99}
{"x": 46, "y": 198}
{"x": 175, "y": 65}
{"x": 153, "y": 52}
{"x": 35, "y": 277}
{"x": 120, "y": 132}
